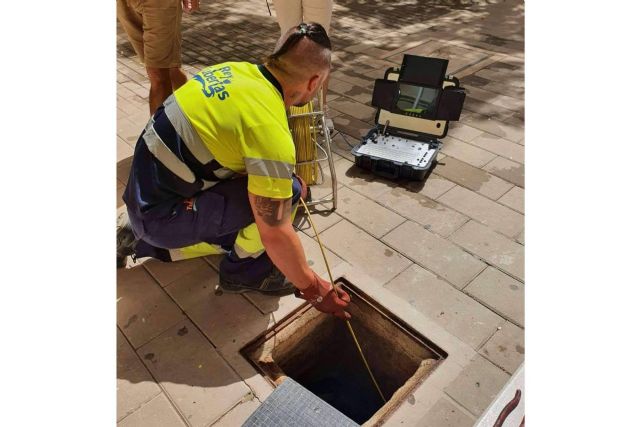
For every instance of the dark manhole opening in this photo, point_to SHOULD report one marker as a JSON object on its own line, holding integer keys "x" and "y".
{"x": 317, "y": 351}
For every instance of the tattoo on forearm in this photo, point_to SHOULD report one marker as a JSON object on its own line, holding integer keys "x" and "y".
{"x": 273, "y": 211}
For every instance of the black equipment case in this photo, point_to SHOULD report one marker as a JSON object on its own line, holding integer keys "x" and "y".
{"x": 415, "y": 104}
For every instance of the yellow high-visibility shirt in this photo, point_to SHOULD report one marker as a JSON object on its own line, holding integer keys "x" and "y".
{"x": 238, "y": 111}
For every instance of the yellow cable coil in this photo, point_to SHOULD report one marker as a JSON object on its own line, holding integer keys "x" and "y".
{"x": 303, "y": 131}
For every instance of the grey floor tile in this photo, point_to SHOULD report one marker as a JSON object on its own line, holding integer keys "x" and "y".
{"x": 363, "y": 251}
{"x": 144, "y": 310}
{"x": 135, "y": 385}
{"x": 502, "y": 293}
{"x": 435, "y": 253}
{"x": 477, "y": 385}
{"x": 492, "y": 247}
{"x": 432, "y": 215}
{"x": 157, "y": 413}
{"x": 459, "y": 314}
{"x": 506, "y": 347}
{"x": 194, "y": 375}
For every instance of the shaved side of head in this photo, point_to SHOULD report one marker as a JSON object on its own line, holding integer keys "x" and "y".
{"x": 301, "y": 52}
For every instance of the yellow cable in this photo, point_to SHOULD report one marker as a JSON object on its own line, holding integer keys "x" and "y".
{"x": 303, "y": 131}
{"x": 334, "y": 287}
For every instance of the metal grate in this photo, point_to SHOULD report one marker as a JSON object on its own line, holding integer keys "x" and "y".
{"x": 293, "y": 405}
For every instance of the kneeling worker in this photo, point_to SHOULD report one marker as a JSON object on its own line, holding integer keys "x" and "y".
{"x": 213, "y": 173}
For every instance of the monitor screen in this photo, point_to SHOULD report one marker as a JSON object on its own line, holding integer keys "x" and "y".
{"x": 424, "y": 71}
{"x": 418, "y": 100}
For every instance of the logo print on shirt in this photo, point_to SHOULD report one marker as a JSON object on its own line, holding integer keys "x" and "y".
{"x": 214, "y": 82}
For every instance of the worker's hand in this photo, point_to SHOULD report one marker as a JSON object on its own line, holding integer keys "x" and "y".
{"x": 325, "y": 299}
{"x": 190, "y": 5}
{"x": 303, "y": 186}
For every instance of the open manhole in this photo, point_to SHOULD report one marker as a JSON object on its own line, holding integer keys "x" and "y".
{"x": 317, "y": 351}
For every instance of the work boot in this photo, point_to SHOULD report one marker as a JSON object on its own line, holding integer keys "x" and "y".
{"x": 274, "y": 284}
{"x": 125, "y": 240}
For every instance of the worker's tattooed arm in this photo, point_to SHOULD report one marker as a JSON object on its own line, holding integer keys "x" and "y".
{"x": 273, "y": 211}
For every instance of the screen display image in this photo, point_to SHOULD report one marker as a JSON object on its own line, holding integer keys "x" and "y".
{"x": 418, "y": 100}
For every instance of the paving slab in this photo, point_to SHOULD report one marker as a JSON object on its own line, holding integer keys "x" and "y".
{"x": 447, "y": 413}
{"x": 322, "y": 219}
{"x": 342, "y": 144}
{"x": 157, "y": 413}
{"x": 500, "y": 146}
{"x": 135, "y": 385}
{"x": 494, "y": 127}
{"x": 198, "y": 381}
{"x": 494, "y": 111}
{"x": 498, "y": 73}
{"x": 372, "y": 217}
{"x": 432, "y": 187}
{"x": 492, "y": 247}
{"x": 506, "y": 348}
{"x": 514, "y": 199}
{"x": 119, "y": 192}
{"x": 506, "y": 169}
{"x": 129, "y": 131}
{"x": 474, "y": 179}
{"x": 315, "y": 260}
{"x": 122, "y": 170}
{"x": 144, "y": 309}
{"x": 503, "y": 101}
{"x": 349, "y": 90}
{"x": 228, "y": 320}
{"x": 477, "y": 386}
{"x": 166, "y": 273}
{"x": 352, "y": 126}
{"x": 459, "y": 57}
{"x": 502, "y": 293}
{"x": 480, "y": 79}
{"x": 484, "y": 210}
{"x": 432, "y": 215}
{"x": 363, "y": 181}
{"x": 319, "y": 191}
{"x": 453, "y": 310}
{"x": 238, "y": 415}
{"x": 463, "y": 132}
{"x": 277, "y": 307}
{"x": 260, "y": 387}
{"x": 361, "y": 250}
{"x": 194, "y": 286}
{"x": 123, "y": 150}
{"x": 466, "y": 152}
{"x": 355, "y": 109}
{"x": 435, "y": 253}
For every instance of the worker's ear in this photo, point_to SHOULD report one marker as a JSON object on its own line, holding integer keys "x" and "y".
{"x": 314, "y": 83}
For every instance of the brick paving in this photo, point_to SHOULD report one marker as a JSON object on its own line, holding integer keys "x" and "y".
{"x": 452, "y": 247}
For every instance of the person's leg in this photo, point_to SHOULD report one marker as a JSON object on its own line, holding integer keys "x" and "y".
{"x": 131, "y": 21}
{"x": 162, "y": 48}
{"x": 204, "y": 224}
{"x": 160, "y": 87}
{"x": 178, "y": 77}
{"x": 248, "y": 264}
{"x": 288, "y": 13}
{"x": 319, "y": 11}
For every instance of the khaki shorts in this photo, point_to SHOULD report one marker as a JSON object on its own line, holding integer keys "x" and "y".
{"x": 153, "y": 28}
